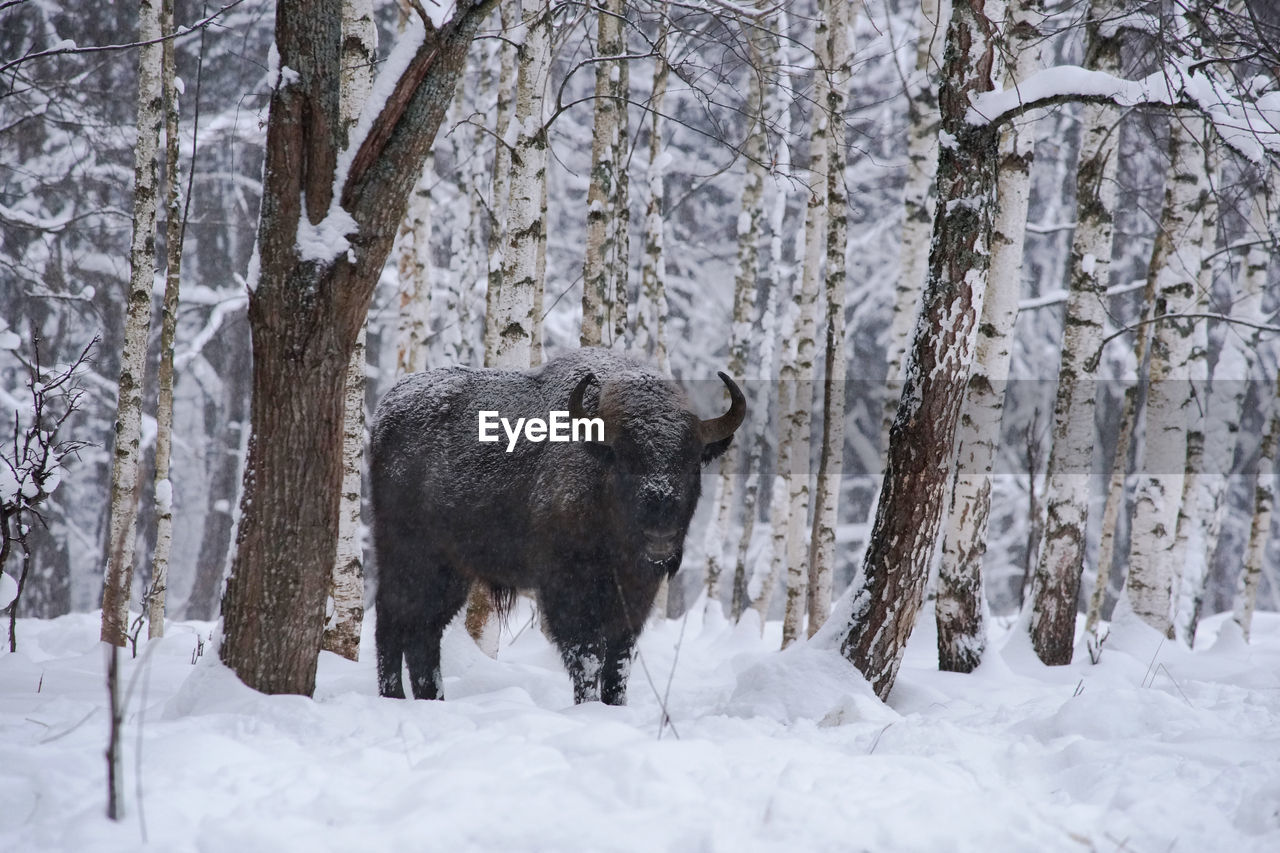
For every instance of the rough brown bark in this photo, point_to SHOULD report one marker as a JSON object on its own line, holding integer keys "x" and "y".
{"x": 304, "y": 315}
{"x": 886, "y": 601}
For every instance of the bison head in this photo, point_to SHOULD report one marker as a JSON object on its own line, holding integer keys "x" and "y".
{"x": 653, "y": 449}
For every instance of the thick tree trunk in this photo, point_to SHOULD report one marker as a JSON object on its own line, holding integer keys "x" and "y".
{"x": 157, "y": 594}
{"x": 960, "y": 607}
{"x": 306, "y": 306}
{"x": 800, "y": 372}
{"x": 826, "y": 503}
{"x": 123, "y": 509}
{"x": 922, "y": 163}
{"x": 885, "y": 599}
{"x": 1055, "y": 585}
{"x": 1152, "y": 575}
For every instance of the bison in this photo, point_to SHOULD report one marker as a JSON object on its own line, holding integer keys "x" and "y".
{"x": 591, "y": 528}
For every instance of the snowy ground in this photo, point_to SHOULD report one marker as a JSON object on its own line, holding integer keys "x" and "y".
{"x": 768, "y": 751}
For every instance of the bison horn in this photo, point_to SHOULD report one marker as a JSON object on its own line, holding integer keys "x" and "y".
{"x": 718, "y": 429}
{"x": 575, "y": 399}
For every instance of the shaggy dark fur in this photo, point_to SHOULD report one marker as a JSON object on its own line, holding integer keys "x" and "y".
{"x": 590, "y": 528}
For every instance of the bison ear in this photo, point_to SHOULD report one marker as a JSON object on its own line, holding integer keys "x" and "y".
{"x": 715, "y": 449}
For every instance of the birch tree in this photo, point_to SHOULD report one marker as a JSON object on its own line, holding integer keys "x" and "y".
{"x": 1152, "y": 576}
{"x": 800, "y": 372}
{"x": 756, "y": 587}
{"x": 123, "y": 509}
{"x": 882, "y": 604}
{"x": 826, "y": 504}
{"x": 342, "y": 630}
{"x": 1055, "y": 584}
{"x": 651, "y": 308}
{"x": 601, "y": 281}
{"x": 960, "y": 606}
{"x": 922, "y": 163}
{"x": 516, "y": 307}
{"x": 750, "y": 219}
{"x": 1260, "y": 528}
{"x": 504, "y": 140}
{"x": 157, "y": 593}
{"x": 328, "y": 220}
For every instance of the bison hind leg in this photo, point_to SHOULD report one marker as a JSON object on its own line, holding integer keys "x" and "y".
{"x": 390, "y": 646}
{"x": 422, "y": 646}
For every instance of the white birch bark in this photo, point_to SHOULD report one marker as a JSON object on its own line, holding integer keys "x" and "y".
{"x": 1237, "y": 362}
{"x": 801, "y": 371}
{"x": 651, "y": 308}
{"x": 620, "y": 221}
{"x": 922, "y": 163}
{"x": 516, "y": 307}
{"x": 598, "y": 280}
{"x": 1189, "y": 557}
{"x": 959, "y": 605}
{"x": 414, "y": 268}
{"x": 1117, "y": 492}
{"x": 1260, "y": 528}
{"x": 879, "y": 611}
{"x": 1055, "y": 584}
{"x": 750, "y": 219}
{"x": 157, "y": 593}
{"x": 342, "y": 630}
{"x": 826, "y": 506}
{"x": 505, "y": 131}
{"x": 1152, "y": 575}
{"x": 777, "y": 108}
{"x": 123, "y": 509}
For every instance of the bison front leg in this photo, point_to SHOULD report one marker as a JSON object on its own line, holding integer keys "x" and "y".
{"x": 619, "y": 654}
{"x": 584, "y": 661}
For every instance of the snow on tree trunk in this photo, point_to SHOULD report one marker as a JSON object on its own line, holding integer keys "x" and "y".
{"x": 881, "y": 606}
{"x": 1189, "y": 557}
{"x": 959, "y": 604}
{"x": 922, "y": 162}
{"x": 756, "y": 587}
{"x": 157, "y": 594}
{"x": 1264, "y": 497}
{"x": 651, "y": 308}
{"x": 505, "y": 132}
{"x": 621, "y": 219}
{"x": 1152, "y": 575}
{"x": 309, "y": 294}
{"x": 1055, "y": 583}
{"x": 1116, "y": 498}
{"x": 123, "y": 509}
{"x": 599, "y": 280}
{"x": 515, "y": 313}
{"x": 516, "y": 309}
{"x": 413, "y": 324}
{"x": 800, "y": 372}
{"x": 342, "y": 629}
{"x": 826, "y": 504}
{"x": 1237, "y": 362}
{"x": 750, "y": 218}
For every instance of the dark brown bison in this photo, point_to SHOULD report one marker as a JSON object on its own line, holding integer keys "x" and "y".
{"x": 590, "y": 528}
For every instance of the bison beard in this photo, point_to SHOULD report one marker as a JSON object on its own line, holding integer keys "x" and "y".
{"x": 589, "y": 528}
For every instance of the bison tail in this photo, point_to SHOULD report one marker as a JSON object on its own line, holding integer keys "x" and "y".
{"x": 503, "y": 599}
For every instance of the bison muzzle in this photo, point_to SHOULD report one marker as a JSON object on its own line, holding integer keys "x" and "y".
{"x": 590, "y": 528}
